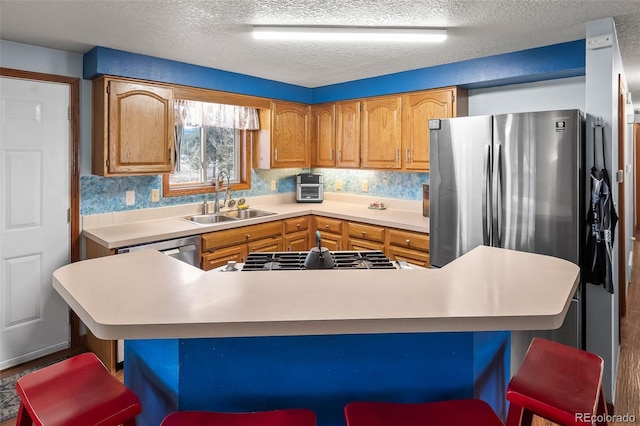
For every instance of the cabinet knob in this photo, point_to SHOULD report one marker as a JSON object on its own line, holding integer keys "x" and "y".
{"x": 298, "y": 226}
{"x": 248, "y": 236}
{"x": 327, "y": 226}
{"x": 364, "y": 233}
{"x": 408, "y": 242}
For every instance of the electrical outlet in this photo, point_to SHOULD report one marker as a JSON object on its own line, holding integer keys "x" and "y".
{"x": 338, "y": 185}
{"x": 130, "y": 198}
{"x": 273, "y": 185}
{"x": 365, "y": 186}
{"x": 155, "y": 195}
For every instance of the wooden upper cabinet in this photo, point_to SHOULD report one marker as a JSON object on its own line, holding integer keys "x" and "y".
{"x": 417, "y": 110}
{"x": 348, "y": 134}
{"x": 291, "y": 134}
{"x": 132, "y": 128}
{"x": 284, "y": 139}
{"x": 381, "y": 131}
{"x": 324, "y": 135}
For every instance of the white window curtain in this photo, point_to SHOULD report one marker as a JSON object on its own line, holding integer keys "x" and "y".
{"x": 200, "y": 114}
{"x": 194, "y": 113}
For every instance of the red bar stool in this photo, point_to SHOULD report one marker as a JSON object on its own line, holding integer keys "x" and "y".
{"x": 78, "y": 391}
{"x": 557, "y": 382}
{"x": 284, "y": 417}
{"x": 560, "y": 383}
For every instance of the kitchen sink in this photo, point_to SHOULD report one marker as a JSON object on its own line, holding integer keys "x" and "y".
{"x": 246, "y": 214}
{"x": 206, "y": 219}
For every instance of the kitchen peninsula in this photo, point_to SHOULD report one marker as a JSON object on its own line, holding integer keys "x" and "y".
{"x": 238, "y": 341}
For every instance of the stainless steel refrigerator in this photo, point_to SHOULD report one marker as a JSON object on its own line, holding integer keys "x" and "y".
{"x": 514, "y": 181}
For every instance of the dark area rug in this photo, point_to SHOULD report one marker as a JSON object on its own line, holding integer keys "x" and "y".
{"x": 9, "y": 400}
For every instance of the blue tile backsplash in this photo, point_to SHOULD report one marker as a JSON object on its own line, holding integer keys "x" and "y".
{"x": 105, "y": 195}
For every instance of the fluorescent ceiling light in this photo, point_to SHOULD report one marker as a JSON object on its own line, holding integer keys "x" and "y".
{"x": 381, "y": 34}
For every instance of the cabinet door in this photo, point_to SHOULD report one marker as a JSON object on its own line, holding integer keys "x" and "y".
{"x": 324, "y": 135}
{"x": 417, "y": 110}
{"x": 357, "y": 244}
{"x": 414, "y": 257}
{"x": 298, "y": 241}
{"x": 140, "y": 128}
{"x": 348, "y": 134}
{"x": 220, "y": 257}
{"x": 331, "y": 241}
{"x": 381, "y": 124}
{"x": 290, "y": 134}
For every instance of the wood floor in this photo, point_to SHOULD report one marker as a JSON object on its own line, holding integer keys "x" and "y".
{"x": 628, "y": 379}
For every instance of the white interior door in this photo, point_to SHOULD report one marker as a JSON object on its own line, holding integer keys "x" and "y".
{"x": 34, "y": 227}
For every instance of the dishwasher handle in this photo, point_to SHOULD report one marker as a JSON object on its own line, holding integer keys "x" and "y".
{"x": 178, "y": 250}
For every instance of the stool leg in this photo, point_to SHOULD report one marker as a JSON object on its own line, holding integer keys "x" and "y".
{"x": 518, "y": 416}
{"x": 23, "y": 419}
{"x": 602, "y": 408}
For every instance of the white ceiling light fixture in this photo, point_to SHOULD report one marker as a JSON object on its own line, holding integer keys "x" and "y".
{"x": 362, "y": 34}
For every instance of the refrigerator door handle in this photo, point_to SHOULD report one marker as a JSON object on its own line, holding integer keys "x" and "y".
{"x": 498, "y": 209}
{"x": 486, "y": 196}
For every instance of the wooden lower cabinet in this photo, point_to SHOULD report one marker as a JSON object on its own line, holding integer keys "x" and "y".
{"x": 218, "y": 248}
{"x": 412, "y": 247}
{"x": 365, "y": 237}
{"x": 331, "y": 233}
{"x": 298, "y": 241}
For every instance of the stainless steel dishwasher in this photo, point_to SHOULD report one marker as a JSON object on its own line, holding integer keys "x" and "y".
{"x": 186, "y": 249}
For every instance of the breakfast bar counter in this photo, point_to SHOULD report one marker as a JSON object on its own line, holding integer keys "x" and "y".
{"x": 239, "y": 341}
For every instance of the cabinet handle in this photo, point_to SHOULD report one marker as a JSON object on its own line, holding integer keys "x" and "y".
{"x": 275, "y": 154}
{"x": 397, "y": 154}
{"x": 407, "y": 155}
{"x": 289, "y": 248}
{"x": 331, "y": 154}
{"x": 339, "y": 155}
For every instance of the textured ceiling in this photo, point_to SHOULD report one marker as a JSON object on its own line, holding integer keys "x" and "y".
{"x": 215, "y": 33}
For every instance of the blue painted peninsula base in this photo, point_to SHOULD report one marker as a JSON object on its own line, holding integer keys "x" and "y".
{"x": 321, "y": 373}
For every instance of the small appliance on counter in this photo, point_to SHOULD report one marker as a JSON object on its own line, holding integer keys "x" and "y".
{"x": 309, "y": 188}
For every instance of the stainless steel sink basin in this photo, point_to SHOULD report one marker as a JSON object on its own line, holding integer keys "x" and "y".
{"x": 246, "y": 214}
{"x": 206, "y": 219}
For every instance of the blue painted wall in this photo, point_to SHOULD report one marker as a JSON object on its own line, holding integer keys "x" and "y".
{"x": 101, "y": 195}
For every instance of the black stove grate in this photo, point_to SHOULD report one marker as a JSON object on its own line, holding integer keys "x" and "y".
{"x": 288, "y": 260}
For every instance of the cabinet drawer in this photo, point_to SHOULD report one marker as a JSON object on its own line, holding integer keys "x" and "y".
{"x": 296, "y": 224}
{"x": 366, "y": 232}
{"x": 263, "y": 230}
{"x": 408, "y": 239}
{"x": 267, "y": 244}
{"x": 363, "y": 245}
{"x": 231, "y": 237}
{"x": 329, "y": 225}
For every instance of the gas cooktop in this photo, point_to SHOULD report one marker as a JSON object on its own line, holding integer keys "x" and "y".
{"x": 289, "y": 260}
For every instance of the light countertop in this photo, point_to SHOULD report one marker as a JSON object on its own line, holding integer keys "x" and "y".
{"x": 146, "y": 294}
{"x": 116, "y": 236}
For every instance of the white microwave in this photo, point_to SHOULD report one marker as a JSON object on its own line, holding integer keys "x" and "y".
{"x": 309, "y": 188}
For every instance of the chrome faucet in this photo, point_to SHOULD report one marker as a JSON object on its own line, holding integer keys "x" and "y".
{"x": 216, "y": 206}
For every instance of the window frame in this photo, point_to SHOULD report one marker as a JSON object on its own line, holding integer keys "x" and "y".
{"x": 246, "y": 137}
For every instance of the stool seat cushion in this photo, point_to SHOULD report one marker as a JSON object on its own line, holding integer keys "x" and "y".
{"x": 444, "y": 413}
{"x": 77, "y": 391}
{"x": 283, "y": 417}
{"x": 557, "y": 381}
